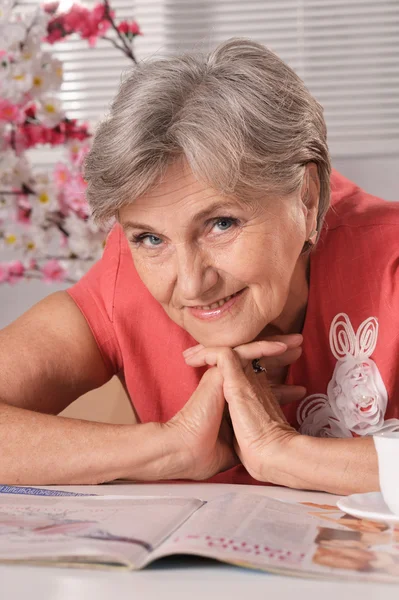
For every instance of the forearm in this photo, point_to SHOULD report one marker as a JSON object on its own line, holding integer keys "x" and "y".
{"x": 41, "y": 449}
{"x": 339, "y": 466}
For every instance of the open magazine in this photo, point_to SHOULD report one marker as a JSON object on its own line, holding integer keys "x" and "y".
{"x": 241, "y": 528}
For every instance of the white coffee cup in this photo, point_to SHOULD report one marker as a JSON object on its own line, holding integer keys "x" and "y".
{"x": 387, "y": 447}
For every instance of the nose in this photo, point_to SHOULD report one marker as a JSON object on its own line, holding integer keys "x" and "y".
{"x": 195, "y": 273}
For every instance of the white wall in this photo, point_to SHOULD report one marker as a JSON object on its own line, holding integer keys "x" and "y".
{"x": 376, "y": 175}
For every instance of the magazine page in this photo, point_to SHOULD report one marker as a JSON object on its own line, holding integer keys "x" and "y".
{"x": 91, "y": 530}
{"x": 355, "y": 548}
{"x": 306, "y": 539}
{"x": 246, "y": 527}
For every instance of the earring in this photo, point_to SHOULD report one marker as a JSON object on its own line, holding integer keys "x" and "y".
{"x": 312, "y": 237}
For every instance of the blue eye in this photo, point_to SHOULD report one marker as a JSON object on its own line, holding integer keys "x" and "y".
{"x": 146, "y": 239}
{"x": 153, "y": 240}
{"x": 224, "y": 223}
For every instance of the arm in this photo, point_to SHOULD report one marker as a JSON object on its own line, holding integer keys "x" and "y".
{"x": 338, "y": 466}
{"x": 48, "y": 358}
{"x": 38, "y": 449}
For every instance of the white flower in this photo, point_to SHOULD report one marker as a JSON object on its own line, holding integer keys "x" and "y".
{"x": 8, "y": 162}
{"x": 5, "y": 66}
{"x": 77, "y": 268}
{"x": 85, "y": 238}
{"x": 358, "y": 396}
{"x": 46, "y": 75}
{"x": 11, "y": 237}
{"x": 29, "y": 52}
{"x": 54, "y": 69}
{"x": 45, "y": 201}
{"x": 6, "y": 7}
{"x": 37, "y": 26}
{"x": 14, "y": 170}
{"x": 36, "y": 241}
{"x": 6, "y": 203}
{"x": 19, "y": 81}
{"x": 49, "y": 111}
{"x": 11, "y": 34}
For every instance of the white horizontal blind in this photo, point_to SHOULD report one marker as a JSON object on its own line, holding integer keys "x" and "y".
{"x": 347, "y": 52}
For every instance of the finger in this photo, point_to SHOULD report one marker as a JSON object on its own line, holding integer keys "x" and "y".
{"x": 246, "y": 353}
{"x": 192, "y": 350}
{"x": 276, "y": 362}
{"x": 265, "y": 394}
{"x": 285, "y": 394}
{"x": 205, "y": 406}
{"x": 292, "y": 340}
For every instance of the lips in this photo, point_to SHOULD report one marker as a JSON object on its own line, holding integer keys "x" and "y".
{"x": 216, "y": 310}
{"x": 216, "y": 304}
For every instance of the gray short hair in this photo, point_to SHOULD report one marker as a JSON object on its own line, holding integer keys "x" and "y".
{"x": 240, "y": 116}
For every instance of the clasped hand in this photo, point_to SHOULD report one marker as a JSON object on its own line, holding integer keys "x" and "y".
{"x": 235, "y": 414}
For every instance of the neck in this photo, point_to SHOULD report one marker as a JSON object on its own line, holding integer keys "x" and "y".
{"x": 292, "y": 318}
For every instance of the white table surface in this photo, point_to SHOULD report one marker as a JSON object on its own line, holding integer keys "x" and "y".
{"x": 192, "y": 579}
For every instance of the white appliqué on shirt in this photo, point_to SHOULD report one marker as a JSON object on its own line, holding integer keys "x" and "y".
{"x": 357, "y": 398}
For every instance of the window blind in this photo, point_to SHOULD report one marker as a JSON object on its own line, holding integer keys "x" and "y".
{"x": 346, "y": 51}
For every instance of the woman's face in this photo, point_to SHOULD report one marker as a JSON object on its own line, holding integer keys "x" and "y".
{"x": 222, "y": 269}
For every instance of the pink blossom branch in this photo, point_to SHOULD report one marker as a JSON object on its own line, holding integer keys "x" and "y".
{"x": 16, "y": 193}
{"x": 65, "y": 258}
{"x": 108, "y": 39}
{"x": 127, "y": 49}
{"x": 25, "y": 191}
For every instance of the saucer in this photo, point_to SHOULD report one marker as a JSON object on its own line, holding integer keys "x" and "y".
{"x": 367, "y": 506}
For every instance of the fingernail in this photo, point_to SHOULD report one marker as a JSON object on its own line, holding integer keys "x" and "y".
{"x": 279, "y": 344}
{"x": 192, "y": 350}
{"x": 296, "y": 337}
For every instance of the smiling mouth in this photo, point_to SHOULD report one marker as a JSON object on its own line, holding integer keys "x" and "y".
{"x": 218, "y": 303}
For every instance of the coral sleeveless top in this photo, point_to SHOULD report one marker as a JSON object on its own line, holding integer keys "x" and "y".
{"x": 350, "y": 359}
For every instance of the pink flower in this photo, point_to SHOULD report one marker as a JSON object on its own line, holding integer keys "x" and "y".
{"x": 89, "y": 24}
{"x": 99, "y": 20}
{"x": 53, "y": 271}
{"x": 129, "y": 29}
{"x": 10, "y": 112}
{"x": 77, "y": 151}
{"x": 16, "y": 271}
{"x": 75, "y": 196}
{"x": 56, "y": 29}
{"x": 73, "y": 131}
{"x": 76, "y": 19}
{"x": 55, "y": 34}
{"x": 30, "y": 135}
{"x": 61, "y": 175}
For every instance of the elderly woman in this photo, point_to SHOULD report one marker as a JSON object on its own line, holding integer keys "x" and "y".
{"x": 255, "y": 328}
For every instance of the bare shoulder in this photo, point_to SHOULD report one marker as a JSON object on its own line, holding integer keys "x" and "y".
{"x": 49, "y": 357}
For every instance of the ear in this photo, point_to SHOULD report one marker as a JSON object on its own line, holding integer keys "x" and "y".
{"x": 310, "y": 195}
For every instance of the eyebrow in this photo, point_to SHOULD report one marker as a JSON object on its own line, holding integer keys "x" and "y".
{"x": 200, "y": 216}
